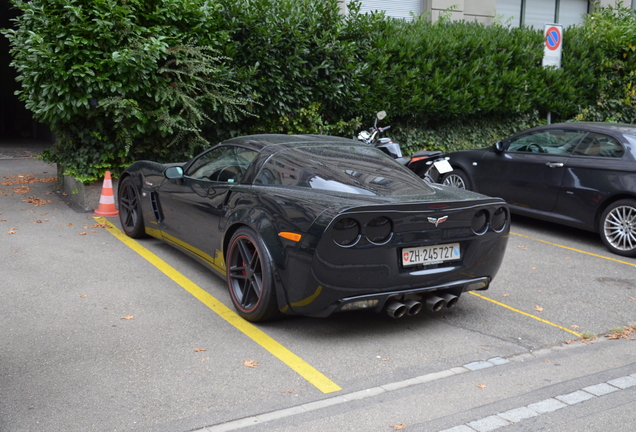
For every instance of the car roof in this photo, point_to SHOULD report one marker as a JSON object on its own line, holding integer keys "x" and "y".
{"x": 259, "y": 142}
{"x": 623, "y": 128}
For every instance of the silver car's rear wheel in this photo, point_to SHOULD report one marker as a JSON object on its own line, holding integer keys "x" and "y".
{"x": 618, "y": 227}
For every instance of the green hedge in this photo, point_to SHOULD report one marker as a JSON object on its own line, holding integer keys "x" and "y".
{"x": 121, "y": 81}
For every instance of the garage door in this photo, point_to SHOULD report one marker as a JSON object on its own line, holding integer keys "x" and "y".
{"x": 396, "y": 9}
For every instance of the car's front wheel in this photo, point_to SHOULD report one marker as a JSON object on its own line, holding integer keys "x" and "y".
{"x": 457, "y": 178}
{"x": 250, "y": 277}
{"x": 130, "y": 214}
{"x": 618, "y": 227}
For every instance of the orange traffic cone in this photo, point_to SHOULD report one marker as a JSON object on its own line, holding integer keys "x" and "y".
{"x": 107, "y": 199}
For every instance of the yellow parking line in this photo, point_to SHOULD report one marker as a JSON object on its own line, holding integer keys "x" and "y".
{"x": 301, "y": 367}
{"x": 575, "y": 250}
{"x": 524, "y": 313}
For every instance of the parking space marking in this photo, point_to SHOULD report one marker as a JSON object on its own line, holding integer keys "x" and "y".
{"x": 525, "y": 313}
{"x": 575, "y": 250}
{"x": 301, "y": 367}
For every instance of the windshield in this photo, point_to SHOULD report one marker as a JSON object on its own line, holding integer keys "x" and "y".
{"x": 346, "y": 169}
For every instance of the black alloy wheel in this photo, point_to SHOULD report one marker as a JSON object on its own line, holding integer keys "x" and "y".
{"x": 618, "y": 227}
{"x": 130, "y": 214}
{"x": 250, "y": 277}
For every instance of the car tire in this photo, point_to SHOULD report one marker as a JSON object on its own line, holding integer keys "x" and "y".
{"x": 617, "y": 227}
{"x": 250, "y": 277}
{"x": 130, "y": 213}
{"x": 457, "y": 178}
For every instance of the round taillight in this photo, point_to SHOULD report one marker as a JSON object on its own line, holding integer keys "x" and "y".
{"x": 379, "y": 230}
{"x": 346, "y": 232}
{"x": 499, "y": 219}
{"x": 479, "y": 223}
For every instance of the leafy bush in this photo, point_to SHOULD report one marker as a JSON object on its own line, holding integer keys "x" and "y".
{"x": 463, "y": 133}
{"x": 611, "y": 35}
{"x": 117, "y": 81}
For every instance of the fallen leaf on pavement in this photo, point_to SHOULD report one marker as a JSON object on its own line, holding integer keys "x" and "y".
{"x": 398, "y": 426}
{"x": 199, "y": 349}
{"x": 481, "y": 386}
{"x": 21, "y": 190}
{"x": 37, "y": 201}
{"x": 622, "y": 334}
{"x": 538, "y": 308}
{"x": 129, "y": 317}
{"x": 250, "y": 363}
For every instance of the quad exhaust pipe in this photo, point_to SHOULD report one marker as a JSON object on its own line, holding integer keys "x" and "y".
{"x": 396, "y": 309}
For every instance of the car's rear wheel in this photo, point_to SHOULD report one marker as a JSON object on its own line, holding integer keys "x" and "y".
{"x": 130, "y": 213}
{"x": 250, "y": 277}
{"x": 457, "y": 178}
{"x": 618, "y": 227}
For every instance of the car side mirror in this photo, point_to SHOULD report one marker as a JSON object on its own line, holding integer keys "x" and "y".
{"x": 499, "y": 147}
{"x": 173, "y": 173}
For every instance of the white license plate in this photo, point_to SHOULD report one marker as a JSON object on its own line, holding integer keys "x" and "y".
{"x": 430, "y": 254}
{"x": 443, "y": 166}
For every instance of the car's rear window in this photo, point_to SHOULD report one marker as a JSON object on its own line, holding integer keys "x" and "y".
{"x": 344, "y": 169}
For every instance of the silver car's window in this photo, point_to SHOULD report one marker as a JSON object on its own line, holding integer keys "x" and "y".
{"x": 599, "y": 145}
{"x": 553, "y": 141}
{"x": 223, "y": 164}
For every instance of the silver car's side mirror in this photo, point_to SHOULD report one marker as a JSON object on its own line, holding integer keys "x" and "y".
{"x": 499, "y": 147}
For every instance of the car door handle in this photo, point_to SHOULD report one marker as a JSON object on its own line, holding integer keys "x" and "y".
{"x": 554, "y": 165}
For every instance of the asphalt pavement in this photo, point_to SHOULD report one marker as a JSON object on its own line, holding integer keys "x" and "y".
{"x": 95, "y": 337}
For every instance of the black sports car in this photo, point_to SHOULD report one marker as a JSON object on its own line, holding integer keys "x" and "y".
{"x": 311, "y": 225}
{"x": 577, "y": 174}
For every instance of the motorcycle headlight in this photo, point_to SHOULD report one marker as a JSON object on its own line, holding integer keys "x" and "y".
{"x": 364, "y": 135}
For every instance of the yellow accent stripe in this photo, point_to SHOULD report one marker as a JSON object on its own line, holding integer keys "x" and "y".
{"x": 305, "y": 302}
{"x": 575, "y": 250}
{"x": 301, "y": 367}
{"x": 524, "y": 313}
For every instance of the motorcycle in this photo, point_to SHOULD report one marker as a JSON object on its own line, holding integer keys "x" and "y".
{"x": 431, "y": 165}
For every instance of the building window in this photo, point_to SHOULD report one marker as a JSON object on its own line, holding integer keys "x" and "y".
{"x": 536, "y": 13}
{"x": 396, "y": 9}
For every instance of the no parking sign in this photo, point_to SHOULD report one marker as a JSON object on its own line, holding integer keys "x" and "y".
{"x": 553, "y": 34}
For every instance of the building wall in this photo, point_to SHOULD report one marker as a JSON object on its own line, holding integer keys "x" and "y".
{"x": 483, "y": 11}
{"x": 462, "y": 10}
{"x": 468, "y": 10}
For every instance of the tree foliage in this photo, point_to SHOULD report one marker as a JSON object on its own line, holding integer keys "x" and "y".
{"x": 117, "y": 81}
